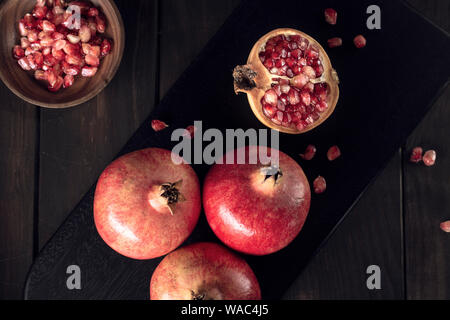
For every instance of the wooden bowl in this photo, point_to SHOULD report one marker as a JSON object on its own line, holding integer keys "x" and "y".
{"x": 24, "y": 85}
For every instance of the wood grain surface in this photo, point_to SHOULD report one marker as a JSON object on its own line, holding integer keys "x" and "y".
{"x": 50, "y": 158}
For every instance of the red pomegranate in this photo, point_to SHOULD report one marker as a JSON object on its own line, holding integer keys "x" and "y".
{"x": 204, "y": 271}
{"x": 289, "y": 81}
{"x": 145, "y": 205}
{"x": 255, "y": 208}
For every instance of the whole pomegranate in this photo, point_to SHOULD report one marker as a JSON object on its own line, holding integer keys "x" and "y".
{"x": 290, "y": 83}
{"x": 255, "y": 208}
{"x": 145, "y": 205}
{"x": 204, "y": 271}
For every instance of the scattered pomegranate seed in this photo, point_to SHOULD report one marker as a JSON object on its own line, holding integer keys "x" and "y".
{"x": 333, "y": 153}
{"x": 158, "y": 125}
{"x": 190, "y": 132}
{"x": 416, "y": 155}
{"x": 320, "y": 185}
{"x": 68, "y": 81}
{"x": 309, "y": 153}
{"x": 359, "y": 41}
{"x": 445, "y": 226}
{"x": 331, "y": 16}
{"x": 334, "y": 42}
{"x": 429, "y": 158}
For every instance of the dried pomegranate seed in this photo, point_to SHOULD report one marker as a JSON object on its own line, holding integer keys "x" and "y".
{"x": 445, "y": 226}
{"x": 429, "y": 158}
{"x": 158, "y": 125}
{"x": 309, "y": 153}
{"x": 334, "y": 42}
{"x": 320, "y": 185}
{"x": 190, "y": 132}
{"x": 333, "y": 153}
{"x": 331, "y": 16}
{"x": 359, "y": 41}
{"x": 416, "y": 155}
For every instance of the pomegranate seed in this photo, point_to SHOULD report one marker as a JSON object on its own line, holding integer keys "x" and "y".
{"x": 158, "y": 125}
{"x": 301, "y": 80}
{"x": 305, "y": 98}
{"x": 269, "y": 110}
{"x": 101, "y": 24}
{"x": 359, "y": 41}
{"x": 322, "y": 106}
{"x": 47, "y": 42}
{"x": 312, "y": 53}
{"x": 88, "y": 71}
{"x": 416, "y": 155}
{"x": 47, "y": 26}
{"x": 75, "y": 59}
{"x": 334, "y": 42}
{"x": 59, "y": 44}
{"x": 50, "y": 60}
{"x": 18, "y": 52}
{"x": 73, "y": 38}
{"x": 93, "y": 12}
{"x": 309, "y": 87}
{"x": 190, "y": 132}
{"x": 85, "y": 34}
{"x": 68, "y": 81}
{"x": 92, "y": 60}
{"x": 309, "y": 153}
{"x": 320, "y": 185}
{"x": 58, "y": 54}
{"x": 40, "y": 12}
{"x": 58, "y": 84}
{"x": 58, "y": 36}
{"x": 309, "y": 72}
{"x": 271, "y": 97}
{"x": 22, "y": 29}
{"x": 29, "y": 21}
{"x": 71, "y": 49}
{"x": 445, "y": 226}
{"x": 33, "y": 36}
{"x": 106, "y": 47}
{"x": 24, "y": 64}
{"x": 429, "y": 158}
{"x": 331, "y": 16}
{"x": 31, "y": 62}
{"x": 71, "y": 70}
{"x": 29, "y": 51}
{"x": 40, "y": 75}
{"x": 333, "y": 153}
{"x": 51, "y": 76}
{"x": 293, "y": 97}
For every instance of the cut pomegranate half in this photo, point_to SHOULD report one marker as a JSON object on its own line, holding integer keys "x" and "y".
{"x": 290, "y": 83}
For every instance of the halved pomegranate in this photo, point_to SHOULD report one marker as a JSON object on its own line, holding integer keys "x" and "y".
{"x": 290, "y": 83}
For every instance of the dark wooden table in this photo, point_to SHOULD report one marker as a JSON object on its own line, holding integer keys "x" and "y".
{"x": 50, "y": 158}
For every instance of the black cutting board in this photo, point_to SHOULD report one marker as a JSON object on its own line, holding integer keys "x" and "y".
{"x": 386, "y": 89}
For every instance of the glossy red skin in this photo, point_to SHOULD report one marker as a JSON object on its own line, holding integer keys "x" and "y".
{"x": 251, "y": 221}
{"x": 207, "y": 269}
{"x": 123, "y": 216}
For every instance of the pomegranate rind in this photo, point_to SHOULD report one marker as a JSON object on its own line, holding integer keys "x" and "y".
{"x": 263, "y": 79}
